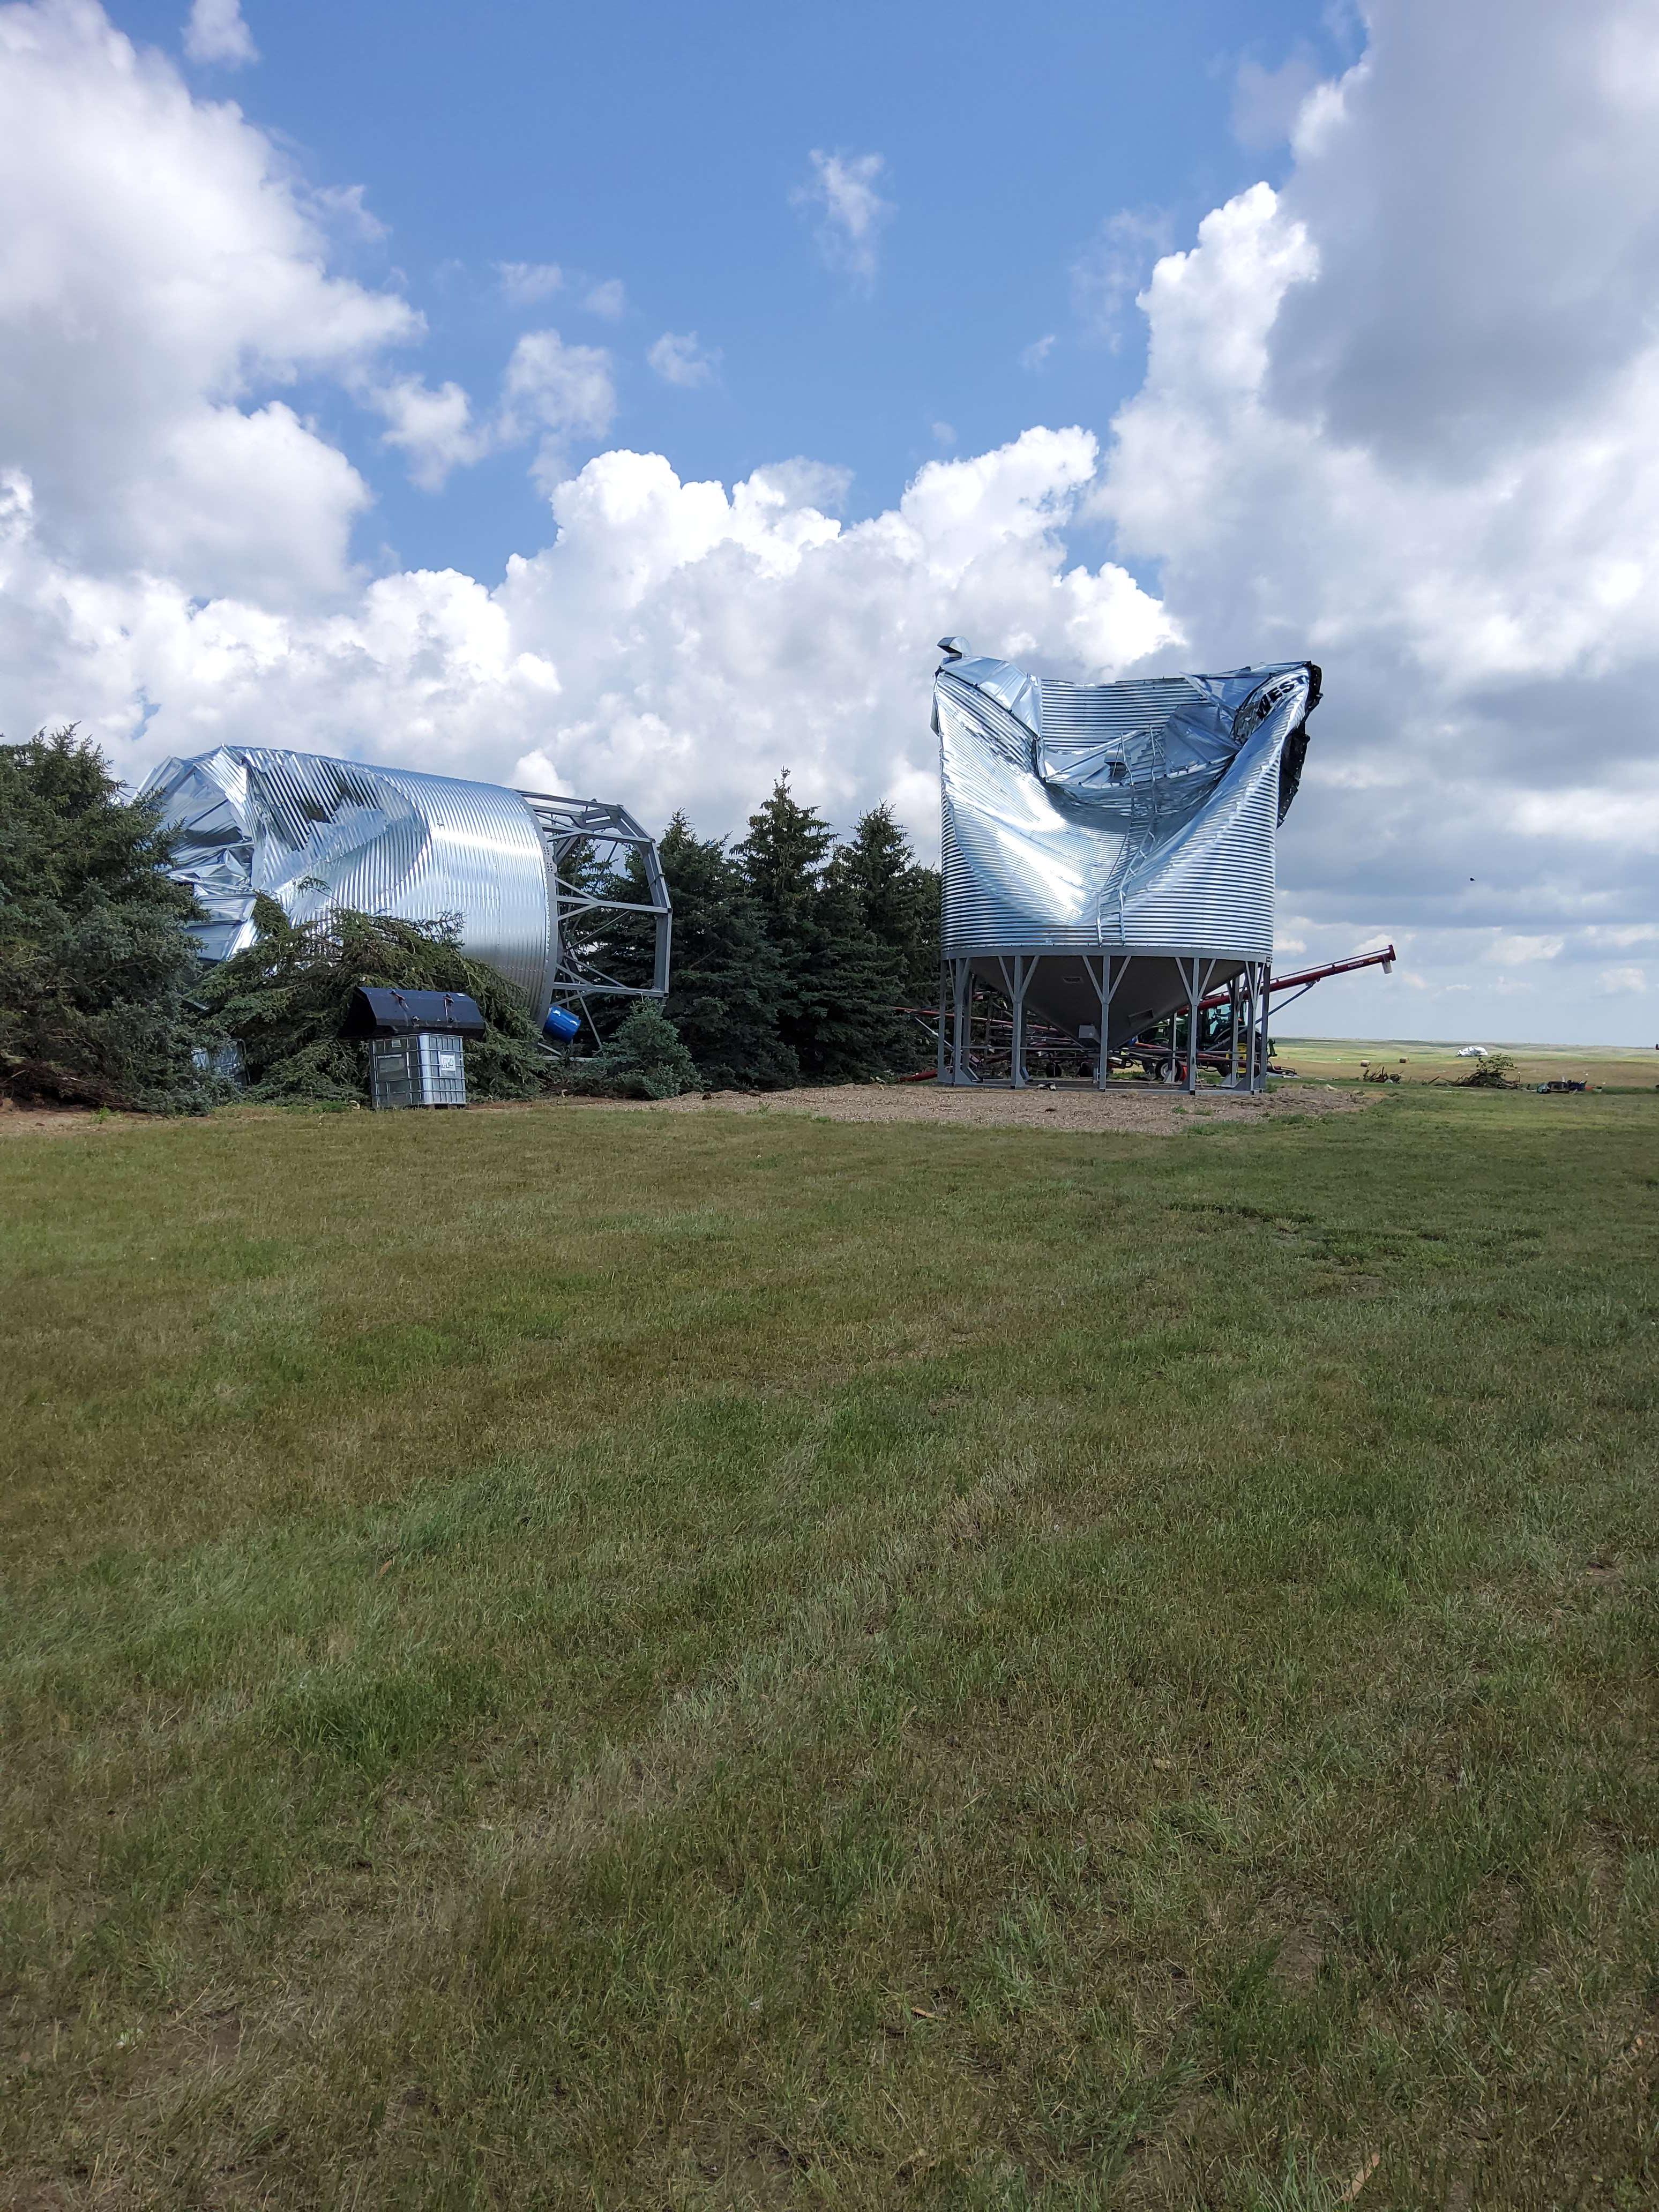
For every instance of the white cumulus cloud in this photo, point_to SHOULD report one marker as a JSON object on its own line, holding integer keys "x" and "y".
{"x": 559, "y": 393}
{"x": 608, "y": 299}
{"x": 1110, "y": 271}
{"x": 216, "y": 32}
{"x": 527, "y": 283}
{"x": 436, "y": 430}
{"x": 1622, "y": 983}
{"x": 1400, "y": 413}
{"x": 1403, "y": 416}
{"x": 161, "y": 280}
{"x": 1513, "y": 950}
{"x": 1268, "y": 101}
{"x": 678, "y": 358}
{"x": 851, "y": 213}
{"x": 675, "y": 645}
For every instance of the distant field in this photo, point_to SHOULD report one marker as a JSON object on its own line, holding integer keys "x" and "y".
{"x": 1338, "y": 1058}
{"x": 560, "y": 1657}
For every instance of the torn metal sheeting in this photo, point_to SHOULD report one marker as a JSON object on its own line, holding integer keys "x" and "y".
{"x": 1110, "y": 849}
{"x": 518, "y": 870}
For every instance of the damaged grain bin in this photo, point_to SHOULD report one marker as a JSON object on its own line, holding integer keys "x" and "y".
{"x": 1108, "y": 848}
{"x": 524, "y": 873}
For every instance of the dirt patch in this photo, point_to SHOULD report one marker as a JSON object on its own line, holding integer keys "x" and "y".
{"x": 1151, "y": 1112}
{"x": 17, "y": 1120}
{"x": 1306, "y": 1928}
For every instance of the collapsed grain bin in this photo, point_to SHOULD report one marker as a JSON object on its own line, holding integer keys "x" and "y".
{"x": 1109, "y": 851}
{"x": 526, "y": 875}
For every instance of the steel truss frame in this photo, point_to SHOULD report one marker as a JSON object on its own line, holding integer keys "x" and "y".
{"x": 1247, "y": 996}
{"x": 571, "y": 829}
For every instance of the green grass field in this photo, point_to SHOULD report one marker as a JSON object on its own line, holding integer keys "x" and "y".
{"x": 1337, "y": 1060}
{"x": 559, "y": 1657}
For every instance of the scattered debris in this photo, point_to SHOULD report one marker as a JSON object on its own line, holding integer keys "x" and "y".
{"x": 1347, "y": 2196}
{"x": 1492, "y": 1071}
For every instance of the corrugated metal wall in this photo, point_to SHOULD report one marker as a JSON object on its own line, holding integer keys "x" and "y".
{"x": 314, "y": 833}
{"x": 1138, "y": 817}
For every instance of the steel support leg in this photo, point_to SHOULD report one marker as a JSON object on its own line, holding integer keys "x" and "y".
{"x": 1191, "y": 1027}
{"x": 1016, "y": 1065}
{"x": 1266, "y": 1034}
{"x": 1258, "y": 1027}
{"x": 1104, "y": 1063}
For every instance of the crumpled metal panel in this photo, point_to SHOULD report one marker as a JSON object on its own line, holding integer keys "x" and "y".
{"x": 315, "y": 833}
{"x": 1138, "y": 818}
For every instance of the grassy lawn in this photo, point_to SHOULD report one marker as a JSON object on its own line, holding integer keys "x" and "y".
{"x": 1343, "y": 1060}
{"x": 562, "y": 1657}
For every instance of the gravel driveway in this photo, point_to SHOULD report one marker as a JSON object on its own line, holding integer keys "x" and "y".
{"x": 1152, "y": 1110}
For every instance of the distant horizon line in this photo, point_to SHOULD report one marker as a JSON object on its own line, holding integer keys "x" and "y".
{"x": 1502, "y": 1044}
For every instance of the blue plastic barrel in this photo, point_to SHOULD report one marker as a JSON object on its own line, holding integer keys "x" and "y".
{"x": 562, "y": 1024}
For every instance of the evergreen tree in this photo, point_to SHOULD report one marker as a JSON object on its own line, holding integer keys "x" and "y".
{"x": 850, "y": 994}
{"x": 899, "y": 901}
{"x": 285, "y": 997}
{"x": 840, "y": 984}
{"x": 783, "y": 859}
{"x": 726, "y": 980}
{"x": 643, "y": 1057}
{"x": 791, "y": 956}
{"x": 98, "y": 963}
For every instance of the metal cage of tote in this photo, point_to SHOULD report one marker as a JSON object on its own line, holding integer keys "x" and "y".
{"x": 415, "y": 1042}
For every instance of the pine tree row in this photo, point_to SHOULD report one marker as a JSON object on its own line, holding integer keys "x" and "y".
{"x": 792, "y": 958}
{"x": 792, "y": 955}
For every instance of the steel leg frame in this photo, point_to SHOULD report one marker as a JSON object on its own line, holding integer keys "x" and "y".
{"x": 1026, "y": 966}
{"x": 1195, "y": 1024}
{"x": 1106, "y": 988}
{"x": 1014, "y": 989}
{"x": 1192, "y": 997}
{"x": 1016, "y": 981}
{"x": 1253, "y": 995}
{"x": 955, "y": 987}
{"x": 1251, "y": 1019}
{"x": 1265, "y": 1049}
{"x": 1248, "y": 1029}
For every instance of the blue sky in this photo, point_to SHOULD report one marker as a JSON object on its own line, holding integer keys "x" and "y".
{"x": 1117, "y": 340}
{"x": 661, "y": 147}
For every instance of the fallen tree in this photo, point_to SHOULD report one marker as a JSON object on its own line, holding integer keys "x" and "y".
{"x": 283, "y": 1000}
{"x": 99, "y": 971}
